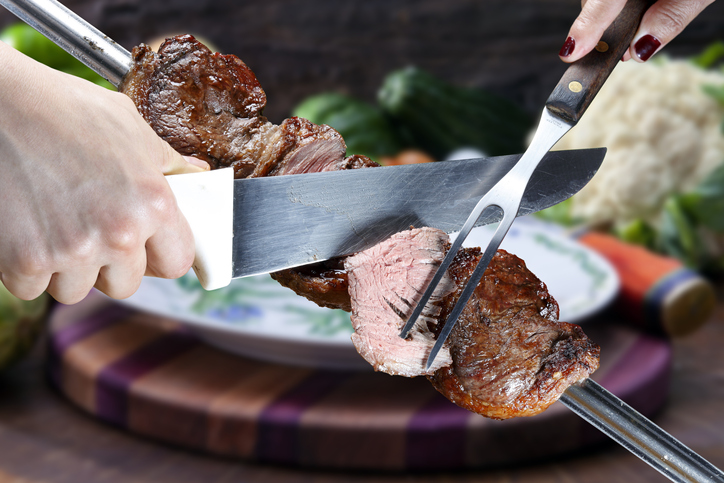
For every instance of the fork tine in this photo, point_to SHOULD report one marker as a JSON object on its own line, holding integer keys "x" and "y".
{"x": 472, "y": 283}
{"x": 506, "y": 195}
{"x": 482, "y": 205}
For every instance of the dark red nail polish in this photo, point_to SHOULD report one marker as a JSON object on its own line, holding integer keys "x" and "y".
{"x": 646, "y": 46}
{"x": 568, "y": 47}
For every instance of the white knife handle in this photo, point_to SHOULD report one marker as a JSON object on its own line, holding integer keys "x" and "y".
{"x": 207, "y": 201}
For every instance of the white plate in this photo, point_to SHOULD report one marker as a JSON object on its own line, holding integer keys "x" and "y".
{"x": 257, "y": 317}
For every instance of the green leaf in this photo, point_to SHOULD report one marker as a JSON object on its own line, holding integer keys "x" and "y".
{"x": 638, "y": 232}
{"x": 705, "y": 204}
{"x": 678, "y": 235}
{"x": 710, "y": 56}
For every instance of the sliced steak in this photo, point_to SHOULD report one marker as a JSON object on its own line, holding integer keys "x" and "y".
{"x": 511, "y": 357}
{"x": 385, "y": 284}
{"x": 507, "y": 356}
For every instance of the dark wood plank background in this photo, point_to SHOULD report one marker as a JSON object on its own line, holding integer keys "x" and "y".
{"x": 300, "y": 48}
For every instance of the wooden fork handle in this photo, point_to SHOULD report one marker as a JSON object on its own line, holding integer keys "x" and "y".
{"x": 584, "y": 78}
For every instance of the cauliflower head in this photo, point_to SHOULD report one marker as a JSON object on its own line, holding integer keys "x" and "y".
{"x": 663, "y": 134}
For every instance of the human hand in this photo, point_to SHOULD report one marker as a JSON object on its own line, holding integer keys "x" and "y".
{"x": 83, "y": 199}
{"x": 663, "y": 21}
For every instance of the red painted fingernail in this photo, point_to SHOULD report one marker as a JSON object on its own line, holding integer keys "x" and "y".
{"x": 646, "y": 46}
{"x": 568, "y": 47}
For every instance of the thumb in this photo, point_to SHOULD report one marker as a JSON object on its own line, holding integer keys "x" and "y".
{"x": 174, "y": 163}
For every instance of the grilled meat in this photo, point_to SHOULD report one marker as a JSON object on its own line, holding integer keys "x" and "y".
{"x": 384, "y": 288}
{"x": 511, "y": 356}
{"x": 210, "y": 106}
{"x": 507, "y": 356}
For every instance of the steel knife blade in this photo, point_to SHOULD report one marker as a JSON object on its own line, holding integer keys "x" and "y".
{"x": 252, "y": 226}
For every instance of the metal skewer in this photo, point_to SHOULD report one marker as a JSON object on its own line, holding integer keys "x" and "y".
{"x": 74, "y": 35}
{"x": 589, "y": 400}
{"x": 639, "y": 435}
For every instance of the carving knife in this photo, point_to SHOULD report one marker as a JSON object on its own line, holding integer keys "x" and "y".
{"x": 558, "y": 176}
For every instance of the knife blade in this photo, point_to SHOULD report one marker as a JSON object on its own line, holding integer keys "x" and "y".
{"x": 287, "y": 221}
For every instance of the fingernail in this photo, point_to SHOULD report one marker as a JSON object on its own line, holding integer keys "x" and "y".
{"x": 197, "y": 162}
{"x": 646, "y": 46}
{"x": 568, "y": 47}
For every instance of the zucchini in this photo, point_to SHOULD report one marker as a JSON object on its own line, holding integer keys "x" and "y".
{"x": 439, "y": 117}
{"x": 364, "y": 127}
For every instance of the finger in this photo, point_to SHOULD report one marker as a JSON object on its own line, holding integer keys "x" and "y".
{"x": 170, "y": 251}
{"x": 587, "y": 29}
{"x": 663, "y": 21}
{"x": 174, "y": 163}
{"x": 71, "y": 287}
{"x": 25, "y": 288}
{"x": 122, "y": 278}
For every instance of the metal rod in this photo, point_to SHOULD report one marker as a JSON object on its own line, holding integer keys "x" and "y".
{"x": 639, "y": 435}
{"x": 76, "y": 36}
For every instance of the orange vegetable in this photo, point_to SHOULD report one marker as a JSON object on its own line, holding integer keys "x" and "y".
{"x": 657, "y": 293}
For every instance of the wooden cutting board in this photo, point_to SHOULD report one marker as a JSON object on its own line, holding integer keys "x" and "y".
{"x": 150, "y": 376}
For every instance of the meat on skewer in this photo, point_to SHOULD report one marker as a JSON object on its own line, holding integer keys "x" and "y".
{"x": 507, "y": 356}
{"x": 510, "y": 355}
{"x": 210, "y": 106}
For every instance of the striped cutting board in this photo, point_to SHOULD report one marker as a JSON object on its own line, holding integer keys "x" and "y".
{"x": 150, "y": 376}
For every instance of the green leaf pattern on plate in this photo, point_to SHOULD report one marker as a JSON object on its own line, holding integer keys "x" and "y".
{"x": 239, "y": 303}
{"x": 325, "y": 323}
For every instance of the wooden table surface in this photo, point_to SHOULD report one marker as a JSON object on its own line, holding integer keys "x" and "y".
{"x": 44, "y": 438}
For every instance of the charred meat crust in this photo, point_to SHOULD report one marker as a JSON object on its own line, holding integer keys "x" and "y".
{"x": 324, "y": 283}
{"x": 511, "y": 357}
{"x": 204, "y": 104}
{"x": 210, "y": 106}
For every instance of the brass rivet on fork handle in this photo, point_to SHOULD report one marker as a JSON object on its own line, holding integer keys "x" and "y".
{"x": 575, "y": 86}
{"x": 563, "y": 109}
